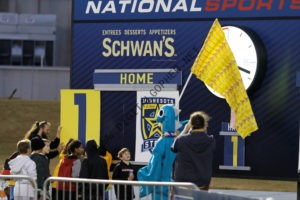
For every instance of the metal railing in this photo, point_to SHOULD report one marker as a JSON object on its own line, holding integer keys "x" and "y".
{"x": 87, "y": 189}
{"x": 96, "y": 189}
{"x": 18, "y": 178}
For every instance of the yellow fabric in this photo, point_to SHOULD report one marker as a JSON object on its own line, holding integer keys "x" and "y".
{"x": 108, "y": 159}
{"x": 215, "y": 65}
{"x": 56, "y": 169}
{"x": 11, "y": 182}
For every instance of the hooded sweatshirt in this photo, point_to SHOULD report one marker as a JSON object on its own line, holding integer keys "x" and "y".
{"x": 23, "y": 165}
{"x": 193, "y": 162}
{"x": 94, "y": 167}
{"x": 42, "y": 168}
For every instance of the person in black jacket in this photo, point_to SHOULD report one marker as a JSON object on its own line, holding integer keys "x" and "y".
{"x": 93, "y": 167}
{"x": 42, "y": 129}
{"x": 124, "y": 171}
{"x": 40, "y": 147}
{"x": 194, "y": 152}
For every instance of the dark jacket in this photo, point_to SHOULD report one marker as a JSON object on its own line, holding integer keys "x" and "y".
{"x": 194, "y": 155}
{"x": 42, "y": 168}
{"x": 121, "y": 172}
{"x": 93, "y": 167}
{"x": 53, "y": 145}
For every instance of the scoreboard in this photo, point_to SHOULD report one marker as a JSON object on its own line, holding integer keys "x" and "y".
{"x": 168, "y": 34}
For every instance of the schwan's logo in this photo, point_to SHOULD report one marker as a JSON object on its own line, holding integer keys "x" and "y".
{"x": 149, "y": 127}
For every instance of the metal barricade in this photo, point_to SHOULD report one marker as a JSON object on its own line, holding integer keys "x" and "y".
{"x": 23, "y": 183}
{"x": 95, "y": 189}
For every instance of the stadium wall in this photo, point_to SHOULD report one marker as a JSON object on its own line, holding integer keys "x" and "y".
{"x": 33, "y": 83}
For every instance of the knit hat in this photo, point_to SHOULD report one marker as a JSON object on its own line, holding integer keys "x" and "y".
{"x": 37, "y": 143}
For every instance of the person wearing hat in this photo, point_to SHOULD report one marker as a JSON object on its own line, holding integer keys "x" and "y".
{"x": 40, "y": 147}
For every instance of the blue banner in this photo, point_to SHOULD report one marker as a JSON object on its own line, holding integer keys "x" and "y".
{"x": 234, "y": 147}
{"x": 138, "y": 78}
{"x": 182, "y": 9}
{"x": 166, "y": 45}
{"x": 298, "y": 79}
{"x": 130, "y": 34}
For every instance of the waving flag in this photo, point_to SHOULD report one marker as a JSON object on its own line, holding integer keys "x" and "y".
{"x": 215, "y": 65}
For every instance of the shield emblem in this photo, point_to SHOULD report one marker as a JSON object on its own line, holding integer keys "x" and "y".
{"x": 150, "y": 129}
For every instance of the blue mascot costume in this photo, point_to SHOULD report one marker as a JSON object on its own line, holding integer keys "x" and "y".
{"x": 160, "y": 164}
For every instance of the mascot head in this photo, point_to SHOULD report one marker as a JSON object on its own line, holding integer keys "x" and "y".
{"x": 168, "y": 117}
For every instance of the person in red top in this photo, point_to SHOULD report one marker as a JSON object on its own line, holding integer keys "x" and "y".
{"x": 70, "y": 167}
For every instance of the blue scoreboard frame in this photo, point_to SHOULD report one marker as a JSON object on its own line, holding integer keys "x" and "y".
{"x": 160, "y": 34}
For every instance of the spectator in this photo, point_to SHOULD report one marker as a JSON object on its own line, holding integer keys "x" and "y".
{"x": 70, "y": 167}
{"x": 107, "y": 156}
{"x": 104, "y": 153}
{"x": 6, "y": 171}
{"x": 40, "y": 148}
{"x": 42, "y": 130}
{"x": 194, "y": 152}
{"x": 94, "y": 167}
{"x": 62, "y": 155}
{"x": 124, "y": 171}
{"x": 3, "y": 189}
{"x": 23, "y": 165}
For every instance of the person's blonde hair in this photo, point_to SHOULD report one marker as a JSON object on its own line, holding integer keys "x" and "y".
{"x": 34, "y": 129}
{"x": 46, "y": 141}
{"x": 199, "y": 120}
{"x": 122, "y": 151}
{"x": 23, "y": 146}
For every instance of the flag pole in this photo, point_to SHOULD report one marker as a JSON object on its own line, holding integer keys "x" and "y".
{"x": 184, "y": 87}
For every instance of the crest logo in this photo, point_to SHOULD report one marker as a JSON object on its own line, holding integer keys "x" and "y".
{"x": 150, "y": 129}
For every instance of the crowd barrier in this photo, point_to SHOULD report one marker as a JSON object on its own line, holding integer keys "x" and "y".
{"x": 25, "y": 182}
{"x": 87, "y": 189}
{"x": 95, "y": 189}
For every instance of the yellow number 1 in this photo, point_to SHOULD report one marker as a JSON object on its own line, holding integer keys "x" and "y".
{"x": 234, "y": 140}
{"x": 80, "y": 115}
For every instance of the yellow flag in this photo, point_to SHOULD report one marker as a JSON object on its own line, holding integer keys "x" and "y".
{"x": 215, "y": 65}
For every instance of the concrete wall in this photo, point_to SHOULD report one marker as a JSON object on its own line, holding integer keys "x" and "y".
{"x": 33, "y": 82}
{"x": 63, "y": 11}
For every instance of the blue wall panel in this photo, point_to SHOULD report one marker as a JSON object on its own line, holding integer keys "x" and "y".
{"x": 272, "y": 151}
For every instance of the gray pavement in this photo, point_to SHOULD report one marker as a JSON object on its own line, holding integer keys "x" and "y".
{"x": 259, "y": 195}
